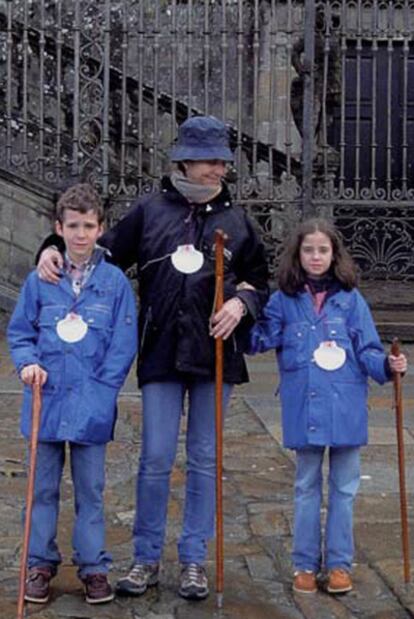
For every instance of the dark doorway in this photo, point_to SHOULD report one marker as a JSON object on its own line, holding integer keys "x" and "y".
{"x": 378, "y": 129}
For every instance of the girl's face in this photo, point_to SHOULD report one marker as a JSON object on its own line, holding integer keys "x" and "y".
{"x": 316, "y": 254}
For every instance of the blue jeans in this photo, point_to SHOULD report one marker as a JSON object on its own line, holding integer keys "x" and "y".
{"x": 88, "y": 538}
{"x": 162, "y": 410}
{"x": 343, "y": 483}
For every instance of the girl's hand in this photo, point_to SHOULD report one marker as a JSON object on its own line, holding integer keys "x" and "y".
{"x": 33, "y": 375}
{"x": 49, "y": 265}
{"x": 398, "y": 364}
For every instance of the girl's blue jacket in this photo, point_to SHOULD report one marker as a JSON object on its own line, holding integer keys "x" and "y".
{"x": 84, "y": 378}
{"x": 322, "y": 407}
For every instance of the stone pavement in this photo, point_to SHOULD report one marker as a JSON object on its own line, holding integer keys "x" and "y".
{"x": 258, "y": 478}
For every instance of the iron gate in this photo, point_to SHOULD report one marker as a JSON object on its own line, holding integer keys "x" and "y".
{"x": 318, "y": 96}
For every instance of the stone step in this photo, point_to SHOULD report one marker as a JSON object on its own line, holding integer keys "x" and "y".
{"x": 404, "y": 331}
{"x": 392, "y": 305}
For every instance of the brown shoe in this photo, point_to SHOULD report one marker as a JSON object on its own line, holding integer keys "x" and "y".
{"x": 339, "y": 581}
{"x": 304, "y": 582}
{"x": 37, "y": 586}
{"x": 97, "y": 589}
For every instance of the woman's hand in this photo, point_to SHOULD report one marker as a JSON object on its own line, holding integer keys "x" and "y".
{"x": 398, "y": 364}
{"x": 226, "y": 320}
{"x": 49, "y": 265}
{"x": 33, "y": 375}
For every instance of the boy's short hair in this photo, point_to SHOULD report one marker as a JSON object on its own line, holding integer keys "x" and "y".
{"x": 81, "y": 197}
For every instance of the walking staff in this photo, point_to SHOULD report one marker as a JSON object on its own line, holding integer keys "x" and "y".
{"x": 36, "y": 408}
{"x": 219, "y": 238}
{"x": 395, "y": 350}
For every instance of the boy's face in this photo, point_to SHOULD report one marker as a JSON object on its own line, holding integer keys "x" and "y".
{"x": 80, "y": 232}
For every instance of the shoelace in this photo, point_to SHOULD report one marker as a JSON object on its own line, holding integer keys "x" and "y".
{"x": 38, "y": 575}
{"x": 194, "y": 573}
{"x": 97, "y": 577}
{"x": 139, "y": 570}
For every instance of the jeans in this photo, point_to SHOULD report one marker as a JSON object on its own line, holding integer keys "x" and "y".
{"x": 343, "y": 483}
{"x": 162, "y": 411}
{"x": 88, "y": 537}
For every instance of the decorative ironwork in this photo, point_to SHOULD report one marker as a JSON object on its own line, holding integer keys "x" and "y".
{"x": 381, "y": 238}
{"x": 96, "y": 89}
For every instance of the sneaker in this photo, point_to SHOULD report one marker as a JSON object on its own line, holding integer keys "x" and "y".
{"x": 304, "y": 582}
{"x": 339, "y": 581}
{"x": 37, "y": 586}
{"x": 97, "y": 588}
{"x": 193, "y": 582}
{"x": 140, "y": 577}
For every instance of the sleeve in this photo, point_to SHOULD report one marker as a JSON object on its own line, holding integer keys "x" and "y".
{"x": 268, "y": 331}
{"x": 52, "y": 239}
{"x": 124, "y": 344}
{"x": 123, "y": 239}
{"x": 366, "y": 342}
{"x": 252, "y": 268}
{"x": 22, "y": 332}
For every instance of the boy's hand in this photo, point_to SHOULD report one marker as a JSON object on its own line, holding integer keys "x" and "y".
{"x": 33, "y": 375}
{"x": 49, "y": 265}
{"x": 398, "y": 364}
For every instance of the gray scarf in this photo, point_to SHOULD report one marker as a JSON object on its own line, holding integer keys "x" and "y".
{"x": 193, "y": 192}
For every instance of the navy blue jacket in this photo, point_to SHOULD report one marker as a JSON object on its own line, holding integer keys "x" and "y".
{"x": 175, "y": 308}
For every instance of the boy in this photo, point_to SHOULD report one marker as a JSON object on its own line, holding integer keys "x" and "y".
{"x": 78, "y": 340}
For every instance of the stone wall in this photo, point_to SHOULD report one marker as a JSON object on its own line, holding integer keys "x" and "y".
{"x": 26, "y": 210}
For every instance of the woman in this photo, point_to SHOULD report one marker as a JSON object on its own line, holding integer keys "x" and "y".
{"x": 169, "y": 235}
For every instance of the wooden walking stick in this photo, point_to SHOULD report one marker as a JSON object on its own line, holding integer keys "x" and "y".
{"x": 36, "y": 408}
{"x": 220, "y": 239}
{"x": 395, "y": 350}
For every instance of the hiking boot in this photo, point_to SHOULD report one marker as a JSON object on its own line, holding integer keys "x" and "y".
{"x": 193, "y": 582}
{"x": 339, "y": 581}
{"x": 37, "y": 586}
{"x": 97, "y": 588}
{"x": 140, "y": 577}
{"x": 304, "y": 582}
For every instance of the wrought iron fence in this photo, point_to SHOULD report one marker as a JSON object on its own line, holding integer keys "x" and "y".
{"x": 318, "y": 97}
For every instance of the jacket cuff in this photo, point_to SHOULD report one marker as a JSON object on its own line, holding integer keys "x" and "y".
{"x": 249, "y": 299}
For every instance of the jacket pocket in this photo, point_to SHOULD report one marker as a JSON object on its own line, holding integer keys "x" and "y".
{"x": 99, "y": 412}
{"x": 98, "y": 336}
{"x": 49, "y": 343}
{"x": 350, "y": 414}
{"x": 295, "y": 346}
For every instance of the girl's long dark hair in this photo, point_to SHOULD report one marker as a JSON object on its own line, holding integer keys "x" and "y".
{"x": 291, "y": 275}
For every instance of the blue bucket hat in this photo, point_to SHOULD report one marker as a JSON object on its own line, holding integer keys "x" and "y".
{"x": 202, "y": 138}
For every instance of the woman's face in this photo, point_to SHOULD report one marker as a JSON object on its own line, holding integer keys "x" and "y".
{"x": 316, "y": 254}
{"x": 205, "y": 172}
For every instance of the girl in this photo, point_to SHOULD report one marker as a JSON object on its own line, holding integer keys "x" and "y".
{"x": 327, "y": 346}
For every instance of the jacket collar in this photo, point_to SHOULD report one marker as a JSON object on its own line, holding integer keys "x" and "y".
{"x": 66, "y": 283}
{"x": 341, "y": 299}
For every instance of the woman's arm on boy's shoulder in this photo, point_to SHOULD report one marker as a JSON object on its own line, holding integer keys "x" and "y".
{"x": 122, "y": 241}
{"x": 124, "y": 238}
{"x": 267, "y": 332}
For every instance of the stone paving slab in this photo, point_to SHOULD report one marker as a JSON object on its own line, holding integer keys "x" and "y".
{"x": 258, "y": 511}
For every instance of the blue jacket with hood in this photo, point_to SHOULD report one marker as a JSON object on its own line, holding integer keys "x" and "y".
{"x": 322, "y": 407}
{"x": 84, "y": 378}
